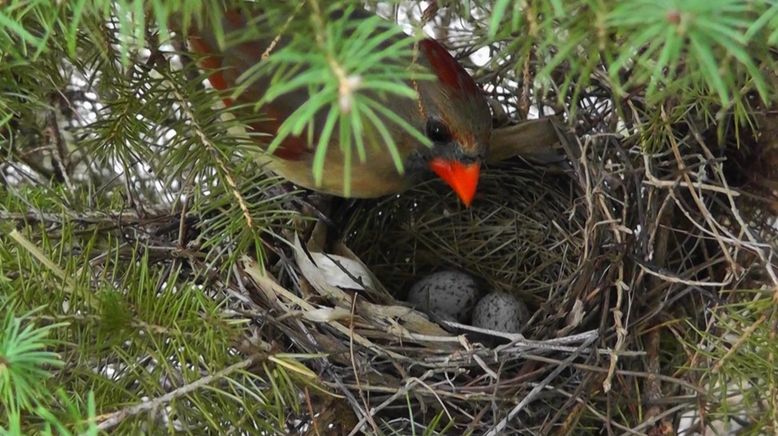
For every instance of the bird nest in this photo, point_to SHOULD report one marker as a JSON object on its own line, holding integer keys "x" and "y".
{"x": 523, "y": 236}
{"x": 606, "y": 253}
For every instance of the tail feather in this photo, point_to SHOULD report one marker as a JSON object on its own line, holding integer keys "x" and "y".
{"x": 534, "y": 140}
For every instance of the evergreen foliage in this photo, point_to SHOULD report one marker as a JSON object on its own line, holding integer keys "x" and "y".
{"x": 130, "y": 196}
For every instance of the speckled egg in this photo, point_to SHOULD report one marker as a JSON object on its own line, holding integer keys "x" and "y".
{"x": 450, "y": 295}
{"x": 500, "y": 311}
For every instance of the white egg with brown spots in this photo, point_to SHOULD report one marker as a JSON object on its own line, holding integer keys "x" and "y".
{"x": 450, "y": 295}
{"x": 500, "y": 311}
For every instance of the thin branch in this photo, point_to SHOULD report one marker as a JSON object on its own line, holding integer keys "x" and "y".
{"x": 113, "y": 419}
{"x": 500, "y": 426}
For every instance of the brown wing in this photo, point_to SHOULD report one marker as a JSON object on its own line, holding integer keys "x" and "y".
{"x": 227, "y": 66}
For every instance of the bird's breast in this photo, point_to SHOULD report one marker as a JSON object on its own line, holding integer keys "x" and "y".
{"x": 373, "y": 178}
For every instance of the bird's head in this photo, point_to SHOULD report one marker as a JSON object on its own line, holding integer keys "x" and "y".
{"x": 456, "y": 119}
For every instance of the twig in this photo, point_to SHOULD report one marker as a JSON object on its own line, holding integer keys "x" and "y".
{"x": 766, "y": 260}
{"x": 519, "y": 343}
{"x": 653, "y": 181}
{"x": 674, "y": 279}
{"x": 703, "y": 210}
{"x": 354, "y": 367}
{"x": 113, "y": 419}
{"x": 59, "y": 150}
{"x": 118, "y": 217}
{"x": 314, "y": 421}
{"x": 410, "y": 383}
{"x": 429, "y": 12}
{"x": 739, "y": 343}
{"x": 621, "y": 333}
{"x": 206, "y": 141}
{"x": 526, "y": 84}
{"x": 277, "y": 38}
{"x": 653, "y": 387}
{"x": 596, "y": 413}
{"x": 622, "y": 372}
{"x": 653, "y": 420}
{"x": 500, "y": 426}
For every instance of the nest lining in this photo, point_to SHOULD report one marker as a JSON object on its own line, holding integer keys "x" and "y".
{"x": 523, "y": 235}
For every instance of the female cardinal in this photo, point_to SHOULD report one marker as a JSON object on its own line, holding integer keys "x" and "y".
{"x": 451, "y": 111}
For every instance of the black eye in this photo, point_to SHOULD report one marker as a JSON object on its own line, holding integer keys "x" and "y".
{"x": 437, "y": 131}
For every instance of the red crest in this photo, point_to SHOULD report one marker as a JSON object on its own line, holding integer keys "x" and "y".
{"x": 447, "y": 68}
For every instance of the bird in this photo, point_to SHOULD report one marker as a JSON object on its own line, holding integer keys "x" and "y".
{"x": 451, "y": 110}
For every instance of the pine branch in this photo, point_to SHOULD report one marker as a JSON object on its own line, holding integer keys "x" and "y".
{"x": 107, "y": 422}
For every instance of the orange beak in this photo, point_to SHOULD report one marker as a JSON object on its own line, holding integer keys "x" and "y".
{"x": 463, "y": 178}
